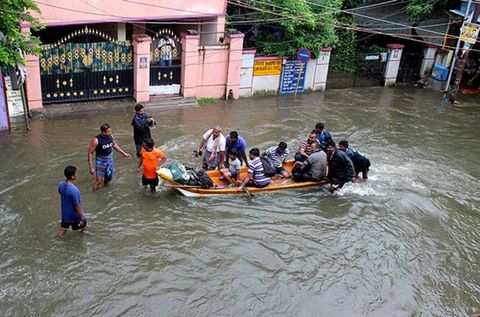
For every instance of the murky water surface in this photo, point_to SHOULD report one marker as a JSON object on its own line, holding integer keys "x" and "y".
{"x": 404, "y": 243}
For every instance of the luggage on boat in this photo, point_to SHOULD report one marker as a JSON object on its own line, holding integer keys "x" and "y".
{"x": 165, "y": 173}
{"x": 200, "y": 178}
{"x": 269, "y": 168}
{"x": 179, "y": 173}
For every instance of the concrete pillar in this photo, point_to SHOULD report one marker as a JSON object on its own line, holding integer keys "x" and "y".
{"x": 321, "y": 69}
{"x": 442, "y": 58}
{"x": 33, "y": 83}
{"x": 122, "y": 31}
{"x": 393, "y": 63}
{"x": 189, "y": 65}
{"x": 141, "y": 67}
{"x": 235, "y": 53}
{"x": 428, "y": 59}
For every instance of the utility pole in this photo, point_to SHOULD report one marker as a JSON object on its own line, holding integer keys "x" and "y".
{"x": 454, "y": 60}
{"x": 463, "y": 58}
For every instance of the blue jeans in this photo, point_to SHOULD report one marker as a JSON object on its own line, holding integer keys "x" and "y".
{"x": 166, "y": 63}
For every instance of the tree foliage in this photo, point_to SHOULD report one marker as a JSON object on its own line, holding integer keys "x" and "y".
{"x": 419, "y": 9}
{"x": 292, "y": 24}
{"x": 12, "y": 40}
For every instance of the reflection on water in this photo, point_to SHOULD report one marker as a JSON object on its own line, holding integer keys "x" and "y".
{"x": 403, "y": 243}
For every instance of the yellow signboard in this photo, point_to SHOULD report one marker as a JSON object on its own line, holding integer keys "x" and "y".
{"x": 470, "y": 33}
{"x": 267, "y": 67}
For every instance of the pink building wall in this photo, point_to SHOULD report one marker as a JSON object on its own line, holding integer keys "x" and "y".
{"x": 211, "y": 71}
{"x": 61, "y": 12}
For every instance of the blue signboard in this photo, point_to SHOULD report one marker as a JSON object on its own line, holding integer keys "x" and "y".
{"x": 290, "y": 72}
{"x": 143, "y": 62}
{"x": 304, "y": 55}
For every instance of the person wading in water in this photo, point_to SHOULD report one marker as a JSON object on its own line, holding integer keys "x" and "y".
{"x": 102, "y": 145}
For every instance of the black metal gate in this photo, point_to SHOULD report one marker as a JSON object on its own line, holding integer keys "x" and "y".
{"x": 409, "y": 69}
{"x": 165, "y": 59}
{"x": 360, "y": 70}
{"x": 86, "y": 65}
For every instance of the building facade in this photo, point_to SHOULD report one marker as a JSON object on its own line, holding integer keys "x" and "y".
{"x": 95, "y": 50}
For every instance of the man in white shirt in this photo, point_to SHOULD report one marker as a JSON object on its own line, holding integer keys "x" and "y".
{"x": 214, "y": 143}
{"x": 166, "y": 46}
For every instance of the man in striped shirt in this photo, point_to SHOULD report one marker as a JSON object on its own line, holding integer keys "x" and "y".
{"x": 255, "y": 175}
{"x": 278, "y": 155}
{"x": 305, "y": 149}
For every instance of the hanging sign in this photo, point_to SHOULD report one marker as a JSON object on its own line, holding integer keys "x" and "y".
{"x": 267, "y": 67}
{"x": 470, "y": 32}
{"x": 293, "y": 77}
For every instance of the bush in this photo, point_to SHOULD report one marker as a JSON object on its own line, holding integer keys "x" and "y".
{"x": 205, "y": 100}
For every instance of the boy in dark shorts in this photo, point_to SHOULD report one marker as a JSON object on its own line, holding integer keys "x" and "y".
{"x": 151, "y": 159}
{"x": 72, "y": 214}
{"x": 230, "y": 174}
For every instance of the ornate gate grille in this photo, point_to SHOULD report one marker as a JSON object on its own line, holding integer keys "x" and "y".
{"x": 163, "y": 70}
{"x": 86, "y": 65}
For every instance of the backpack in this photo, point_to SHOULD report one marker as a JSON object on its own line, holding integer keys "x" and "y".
{"x": 179, "y": 173}
{"x": 201, "y": 178}
{"x": 269, "y": 168}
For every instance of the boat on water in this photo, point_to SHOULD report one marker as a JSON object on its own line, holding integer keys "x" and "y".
{"x": 220, "y": 186}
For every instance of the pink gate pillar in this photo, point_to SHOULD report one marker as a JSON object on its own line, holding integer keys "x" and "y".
{"x": 234, "y": 64}
{"x": 189, "y": 65}
{"x": 33, "y": 82}
{"x": 141, "y": 67}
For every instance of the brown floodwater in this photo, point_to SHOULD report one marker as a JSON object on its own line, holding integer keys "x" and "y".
{"x": 404, "y": 243}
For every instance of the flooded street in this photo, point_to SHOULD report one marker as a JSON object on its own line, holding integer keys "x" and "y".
{"x": 404, "y": 243}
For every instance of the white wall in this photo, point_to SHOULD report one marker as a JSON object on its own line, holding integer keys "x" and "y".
{"x": 264, "y": 85}
{"x": 316, "y": 76}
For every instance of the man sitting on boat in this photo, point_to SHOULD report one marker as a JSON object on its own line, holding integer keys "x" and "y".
{"x": 341, "y": 168}
{"x": 323, "y": 136}
{"x": 314, "y": 169}
{"x": 305, "y": 149}
{"x": 234, "y": 141}
{"x": 278, "y": 155}
{"x": 255, "y": 175}
{"x": 214, "y": 143}
{"x": 361, "y": 163}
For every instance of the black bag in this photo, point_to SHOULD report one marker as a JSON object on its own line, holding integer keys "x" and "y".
{"x": 268, "y": 168}
{"x": 202, "y": 179}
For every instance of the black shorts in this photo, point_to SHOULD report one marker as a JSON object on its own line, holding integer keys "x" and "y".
{"x": 280, "y": 170}
{"x": 75, "y": 226}
{"x": 153, "y": 182}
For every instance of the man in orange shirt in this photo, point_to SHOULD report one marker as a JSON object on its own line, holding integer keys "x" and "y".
{"x": 151, "y": 159}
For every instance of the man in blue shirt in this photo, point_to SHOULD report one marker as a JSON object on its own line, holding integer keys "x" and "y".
{"x": 323, "y": 136}
{"x": 234, "y": 141}
{"x": 361, "y": 163}
{"x": 72, "y": 214}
